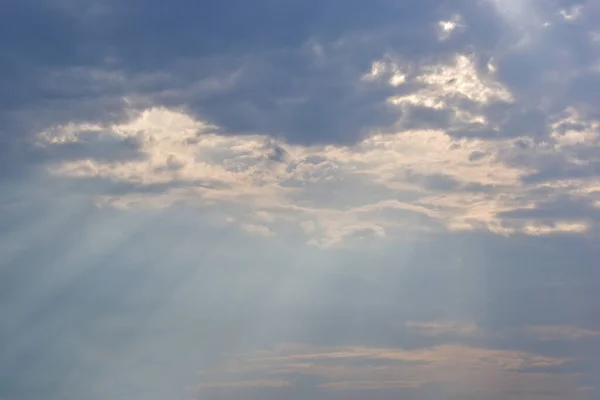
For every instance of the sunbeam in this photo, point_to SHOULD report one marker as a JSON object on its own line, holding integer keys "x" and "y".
{"x": 299, "y": 200}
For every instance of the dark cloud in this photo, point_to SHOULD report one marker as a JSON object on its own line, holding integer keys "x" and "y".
{"x": 299, "y": 63}
{"x": 292, "y": 70}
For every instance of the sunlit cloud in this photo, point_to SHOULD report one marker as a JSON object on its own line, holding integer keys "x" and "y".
{"x": 445, "y": 86}
{"x": 459, "y": 183}
{"x": 458, "y": 79}
{"x": 385, "y": 69}
{"x": 447, "y": 28}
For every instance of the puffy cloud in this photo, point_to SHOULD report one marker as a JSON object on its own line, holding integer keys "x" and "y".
{"x": 458, "y": 80}
{"x": 446, "y": 28}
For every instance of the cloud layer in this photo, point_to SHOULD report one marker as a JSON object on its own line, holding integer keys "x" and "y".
{"x": 428, "y": 179}
{"x": 301, "y": 199}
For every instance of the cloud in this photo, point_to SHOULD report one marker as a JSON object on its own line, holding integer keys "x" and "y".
{"x": 458, "y": 80}
{"x": 446, "y": 28}
{"x": 458, "y": 183}
{"x": 551, "y": 333}
{"x": 445, "y": 154}
{"x": 339, "y": 84}
{"x": 264, "y": 66}
{"x": 289, "y": 72}
{"x": 460, "y": 370}
{"x": 572, "y": 14}
{"x": 163, "y": 294}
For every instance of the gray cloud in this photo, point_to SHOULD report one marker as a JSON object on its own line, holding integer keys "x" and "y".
{"x": 294, "y": 64}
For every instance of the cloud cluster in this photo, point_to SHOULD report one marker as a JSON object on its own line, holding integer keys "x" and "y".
{"x": 426, "y": 180}
{"x": 163, "y": 165}
{"x": 483, "y": 120}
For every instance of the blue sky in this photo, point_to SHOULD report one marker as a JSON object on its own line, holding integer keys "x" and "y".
{"x": 299, "y": 199}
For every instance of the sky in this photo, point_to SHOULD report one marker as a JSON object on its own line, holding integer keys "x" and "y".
{"x": 299, "y": 199}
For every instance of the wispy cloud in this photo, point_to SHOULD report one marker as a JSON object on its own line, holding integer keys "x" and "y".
{"x": 563, "y": 332}
{"x": 460, "y": 369}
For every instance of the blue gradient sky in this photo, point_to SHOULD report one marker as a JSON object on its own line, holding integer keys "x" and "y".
{"x": 317, "y": 199}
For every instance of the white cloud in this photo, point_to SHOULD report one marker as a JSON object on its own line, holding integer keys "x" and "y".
{"x": 572, "y": 14}
{"x": 426, "y": 179}
{"x": 572, "y": 128}
{"x": 559, "y": 227}
{"x": 460, "y": 78}
{"x": 386, "y": 69}
{"x": 446, "y": 86}
{"x": 448, "y": 27}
